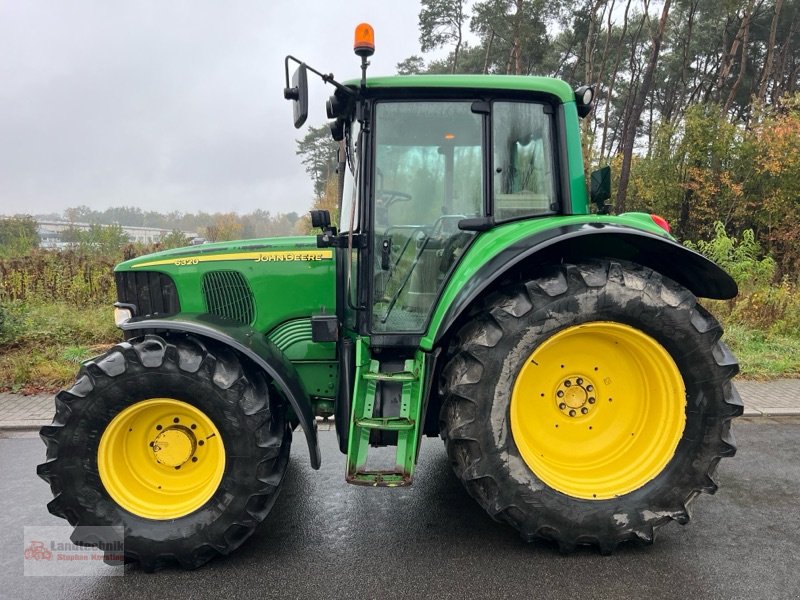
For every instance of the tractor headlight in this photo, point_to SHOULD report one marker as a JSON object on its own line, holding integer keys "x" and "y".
{"x": 123, "y": 313}
{"x": 584, "y": 95}
{"x": 583, "y": 98}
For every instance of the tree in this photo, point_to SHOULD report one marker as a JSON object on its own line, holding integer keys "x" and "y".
{"x": 638, "y": 107}
{"x": 18, "y": 235}
{"x": 328, "y": 200}
{"x": 775, "y": 182}
{"x": 471, "y": 60}
{"x": 174, "y": 239}
{"x": 318, "y": 152}
{"x": 413, "y": 65}
{"x": 513, "y": 34}
{"x": 78, "y": 214}
{"x": 769, "y": 60}
{"x": 105, "y": 240}
{"x": 441, "y": 23}
{"x": 224, "y": 227}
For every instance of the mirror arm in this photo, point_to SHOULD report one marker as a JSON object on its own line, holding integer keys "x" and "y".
{"x": 326, "y": 78}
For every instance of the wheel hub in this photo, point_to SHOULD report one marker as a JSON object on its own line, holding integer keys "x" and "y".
{"x": 161, "y": 458}
{"x": 575, "y": 396}
{"x": 598, "y": 409}
{"x": 174, "y": 446}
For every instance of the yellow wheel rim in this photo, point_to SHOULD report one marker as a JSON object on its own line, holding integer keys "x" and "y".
{"x": 161, "y": 458}
{"x": 598, "y": 409}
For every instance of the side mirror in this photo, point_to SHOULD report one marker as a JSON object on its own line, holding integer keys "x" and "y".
{"x": 601, "y": 188}
{"x": 298, "y": 94}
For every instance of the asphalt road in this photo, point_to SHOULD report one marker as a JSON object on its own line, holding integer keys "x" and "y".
{"x": 327, "y": 539}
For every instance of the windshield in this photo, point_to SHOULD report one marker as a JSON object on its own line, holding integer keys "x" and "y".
{"x": 428, "y": 176}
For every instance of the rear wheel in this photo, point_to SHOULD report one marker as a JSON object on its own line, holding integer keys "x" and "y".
{"x": 177, "y": 443}
{"x": 589, "y": 405}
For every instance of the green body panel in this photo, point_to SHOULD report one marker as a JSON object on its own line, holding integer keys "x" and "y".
{"x": 284, "y": 289}
{"x": 318, "y": 378}
{"x": 490, "y": 243}
{"x": 294, "y": 339}
{"x": 579, "y": 199}
{"x": 290, "y": 279}
{"x": 315, "y": 361}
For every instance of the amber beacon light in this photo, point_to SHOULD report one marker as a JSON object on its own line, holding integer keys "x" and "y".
{"x": 364, "y": 44}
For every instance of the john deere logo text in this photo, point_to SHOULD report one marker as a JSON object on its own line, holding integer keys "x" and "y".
{"x": 274, "y": 256}
{"x": 288, "y": 256}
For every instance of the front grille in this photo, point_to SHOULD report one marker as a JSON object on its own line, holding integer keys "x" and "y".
{"x": 228, "y": 295}
{"x": 152, "y": 293}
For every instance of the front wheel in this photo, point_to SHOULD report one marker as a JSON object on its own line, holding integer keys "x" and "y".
{"x": 589, "y": 405}
{"x": 177, "y": 443}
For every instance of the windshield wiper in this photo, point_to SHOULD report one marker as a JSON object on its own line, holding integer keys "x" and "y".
{"x": 399, "y": 291}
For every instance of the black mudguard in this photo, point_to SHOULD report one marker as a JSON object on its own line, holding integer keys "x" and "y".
{"x": 257, "y": 348}
{"x": 703, "y": 277}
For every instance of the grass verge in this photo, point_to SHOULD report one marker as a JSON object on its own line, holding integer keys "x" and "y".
{"x": 43, "y": 345}
{"x": 764, "y": 355}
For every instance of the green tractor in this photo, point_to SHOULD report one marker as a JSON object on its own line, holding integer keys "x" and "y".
{"x": 467, "y": 291}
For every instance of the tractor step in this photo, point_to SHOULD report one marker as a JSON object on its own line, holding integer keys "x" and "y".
{"x": 380, "y": 479}
{"x": 363, "y": 421}
{"x": 386, "y": 424}
{"x": 399, "y": 376}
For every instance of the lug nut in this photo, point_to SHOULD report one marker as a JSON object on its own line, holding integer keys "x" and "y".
{"x": 589, "y": 388}
{"x": 572, "y": 413}
{"x": 591, "y": 400}
{"x": 560, "y": 394}
{"x": 579, "y": 381}
{"x": 567, "y": 383}
{"x": 584, "y": 410}
{"x": 562, "y": 406}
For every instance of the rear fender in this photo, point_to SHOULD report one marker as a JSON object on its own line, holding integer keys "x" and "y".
{"x": 248, "y": 342}
{"x": 579, "y": 241}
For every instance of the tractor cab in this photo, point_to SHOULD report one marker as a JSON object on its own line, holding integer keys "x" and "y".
{"x": 427, "y": 163}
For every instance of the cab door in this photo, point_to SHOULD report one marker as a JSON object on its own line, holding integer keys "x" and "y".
{"x": 427, "y": 176}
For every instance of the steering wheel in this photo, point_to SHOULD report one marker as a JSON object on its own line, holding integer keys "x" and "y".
{"x": 384, "y": 199}
{"x": 388, "y": 197}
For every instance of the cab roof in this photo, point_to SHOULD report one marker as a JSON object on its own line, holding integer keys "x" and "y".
{"x": 525, "y": 83}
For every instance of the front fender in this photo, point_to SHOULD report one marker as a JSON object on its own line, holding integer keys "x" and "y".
{"x": 576, "y": 241}
{"x": 257, "y": 348}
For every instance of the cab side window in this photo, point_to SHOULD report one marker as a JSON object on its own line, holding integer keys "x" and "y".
{"x": 524, "y": 171}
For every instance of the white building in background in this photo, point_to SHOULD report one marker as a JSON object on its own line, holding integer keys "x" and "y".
{"x": 50, "y": 233}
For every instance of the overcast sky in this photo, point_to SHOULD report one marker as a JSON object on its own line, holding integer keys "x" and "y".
{"x": 171, "y": 105}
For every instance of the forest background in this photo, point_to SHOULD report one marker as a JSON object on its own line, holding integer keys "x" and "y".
{"x": 697, "y": 112}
